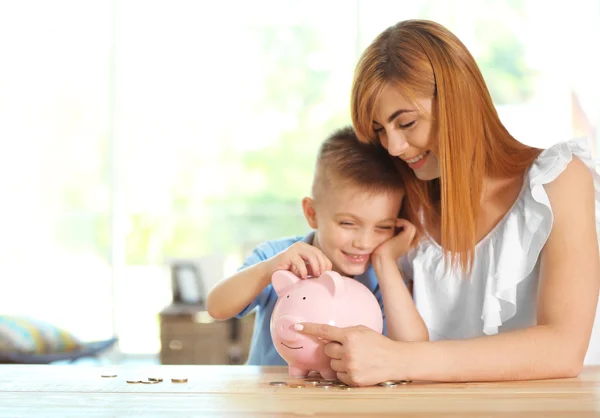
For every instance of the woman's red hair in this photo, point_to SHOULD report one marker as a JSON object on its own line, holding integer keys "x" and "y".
{"x": 425, "y": 60}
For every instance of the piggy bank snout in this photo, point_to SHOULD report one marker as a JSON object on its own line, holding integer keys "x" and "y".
{"x": 284, "y": 326}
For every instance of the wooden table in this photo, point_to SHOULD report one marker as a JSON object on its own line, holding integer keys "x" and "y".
{"x": 242, "y": 391}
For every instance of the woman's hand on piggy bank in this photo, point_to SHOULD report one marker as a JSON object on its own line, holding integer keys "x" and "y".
{"x": 399, "y": 244}
{"x": 303, "y": 260}
{"x": 359, "y": 355}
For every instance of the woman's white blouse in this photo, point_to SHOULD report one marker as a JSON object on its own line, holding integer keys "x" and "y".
{"x": 501, "y": 293}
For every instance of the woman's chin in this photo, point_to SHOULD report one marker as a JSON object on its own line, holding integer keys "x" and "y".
{"x": 431, "y": 169}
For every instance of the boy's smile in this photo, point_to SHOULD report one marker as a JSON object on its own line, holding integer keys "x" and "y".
{"x": 357, "y": 258}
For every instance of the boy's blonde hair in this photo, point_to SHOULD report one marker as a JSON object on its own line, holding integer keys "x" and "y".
{"x": 344, "y": 160}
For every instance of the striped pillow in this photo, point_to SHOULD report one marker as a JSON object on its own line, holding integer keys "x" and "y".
{"x": 27, "y": 335}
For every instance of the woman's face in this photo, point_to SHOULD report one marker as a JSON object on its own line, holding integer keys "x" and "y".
{"x": 404, "y": 130}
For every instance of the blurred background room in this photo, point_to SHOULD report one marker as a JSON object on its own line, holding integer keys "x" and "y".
{"x": 149, "y": 145}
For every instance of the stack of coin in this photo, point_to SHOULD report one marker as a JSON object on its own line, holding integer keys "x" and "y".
{"x": 323, "y": 384}
{"x": 312, "y": 381}
{"x": 334, "y": 383}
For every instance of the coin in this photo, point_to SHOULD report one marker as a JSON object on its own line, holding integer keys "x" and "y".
{"x": 276, "y": 383}
{"x": 155, "y": 379}
{"x": 150, "y": 382}
{"x": 345, "y": 388}
{"x": 179, "y": 380}
{"x": 134, "y": 381}
{"x": 109, "y": 375}
{"x": 312, "y": 380}
{"x": 389, "y": 384}
{"x": 297, "y": 386}
{"x": 324, "y": 385}
{"x": 405, "y": 382}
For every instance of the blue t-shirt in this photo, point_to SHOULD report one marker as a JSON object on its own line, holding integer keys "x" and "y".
{"x": 262, "y": 350}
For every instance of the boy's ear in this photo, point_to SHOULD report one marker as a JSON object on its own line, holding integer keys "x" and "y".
{"x": 308, "y": 207}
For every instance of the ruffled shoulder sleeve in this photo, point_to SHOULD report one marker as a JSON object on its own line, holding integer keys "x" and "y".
{"x": 513, "y": 252}
{"x": 553, "y": 161}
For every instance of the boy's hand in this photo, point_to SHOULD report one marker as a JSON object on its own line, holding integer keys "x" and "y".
{"x": 303, "y": 260}
{"x": 399, "y": 244}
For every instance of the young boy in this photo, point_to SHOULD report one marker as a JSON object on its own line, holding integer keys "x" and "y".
{"x": 356, "y": 198}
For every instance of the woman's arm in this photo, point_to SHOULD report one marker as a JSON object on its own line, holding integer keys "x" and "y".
{"x": 555, "y": 347}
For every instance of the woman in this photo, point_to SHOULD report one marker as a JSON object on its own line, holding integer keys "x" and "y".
{"x": 506, "y": 270}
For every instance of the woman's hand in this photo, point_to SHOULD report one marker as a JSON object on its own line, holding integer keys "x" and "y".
{"x": 359, "y": 355}
{"x": 399, "y": 244}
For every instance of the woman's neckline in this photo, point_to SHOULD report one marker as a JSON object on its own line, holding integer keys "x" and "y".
{"x": 498, "y": 224}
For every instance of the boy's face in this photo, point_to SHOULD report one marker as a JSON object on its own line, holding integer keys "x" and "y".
{"x": 350, "y": 223}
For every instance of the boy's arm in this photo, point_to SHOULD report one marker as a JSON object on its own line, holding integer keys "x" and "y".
{"x": 404, "y": 323}
{"x": 230, "y": 296}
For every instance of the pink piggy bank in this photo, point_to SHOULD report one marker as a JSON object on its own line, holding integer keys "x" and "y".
{"x": 329, "y": 299}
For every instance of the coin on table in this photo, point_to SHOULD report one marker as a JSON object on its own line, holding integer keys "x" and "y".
{"x": 109, "y": 375}
{"x": 179, "y": 380}
{"x": 388, "y": 383}
{"x": 277, "y": 383}
{"x": 345, "y": 387}
{"x": 405, "y": 382}
{"x": 297, "y": 386}
{"x": 312, "y": 380}
{"x": 155, "y": 379}
{"x": 324, "y": 385}
{"x": 150, "y": 382}
{"x": 134, "y": 381}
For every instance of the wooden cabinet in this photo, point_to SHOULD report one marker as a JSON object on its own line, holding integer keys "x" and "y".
{"x": 189, "y": 335}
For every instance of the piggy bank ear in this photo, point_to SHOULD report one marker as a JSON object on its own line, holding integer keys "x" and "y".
{"x": 282, "y": 279}
{"x": 333, "y": 282}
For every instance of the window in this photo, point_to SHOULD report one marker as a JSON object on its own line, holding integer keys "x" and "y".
{"x": 54, "y": 98}
{"x": 135, "y": 131}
